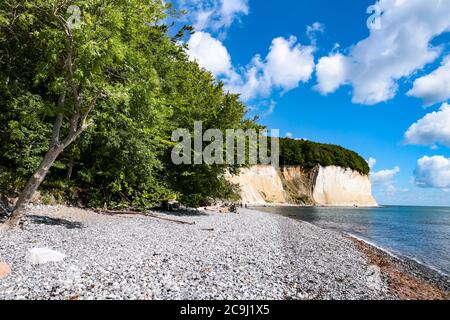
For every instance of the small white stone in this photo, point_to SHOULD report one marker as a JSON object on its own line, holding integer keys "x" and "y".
{"x": 44, "y": 255}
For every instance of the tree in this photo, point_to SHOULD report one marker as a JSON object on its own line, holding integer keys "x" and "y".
{"x": 125, "y": 83}
{"x": 70, "y": 69}
{"x": 309, "y": 154}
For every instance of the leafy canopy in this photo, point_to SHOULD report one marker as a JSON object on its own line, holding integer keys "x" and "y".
{"x": 309, "y": 154}
{"x": 122, "y": 52}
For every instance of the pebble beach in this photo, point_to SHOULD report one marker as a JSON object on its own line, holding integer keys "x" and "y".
{"x": 246, "y": 255}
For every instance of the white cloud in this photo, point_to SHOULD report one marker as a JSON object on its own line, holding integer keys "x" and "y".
{"x": 433, "y": 172}
{"x": 269, "y": 106}
{"x": 383, "y": 179}
{"x": 231, "y": 10}
{"x": 331, "y": 73}
{"x": 214, "y": 15}
{"x": 289, "y": 135}
{"x": 432, "y": 129}
{"x": 287, "y": 64}
{"x": 384, "y": 176}
{"x": 313, "y": 30}
{"x": 434, "y": 87}
{"x": 210, "y": 53}
{"x": 202, "y": 19}
{"x": 372, "y": 162}
{"x": 250, "y": 82}
{"x": 398, "y": 49}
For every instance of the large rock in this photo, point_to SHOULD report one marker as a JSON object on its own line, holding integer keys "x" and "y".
{"x": 5, "y": 270}
{"x": 44, "y": 255}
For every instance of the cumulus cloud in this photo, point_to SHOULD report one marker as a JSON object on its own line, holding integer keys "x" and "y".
{"x": 372, "y": 162}
{"x": 331, "y": 73}
{"x": 433, "y": 172}
{"x": 384, "y": 176}
{"x": 289, "y": 63}
{"x": 434, "y": 87}
{"x": 250, "y": 82}
{"x": 384, "y": 179}
{"x": 432, "y": 129}
{"x": 210, "y": 53}
{"x": 398, "y": 49}
{"x": 286, "y": 66}
{"x": 214, "y": 15}
{"x": 231, "y": 10}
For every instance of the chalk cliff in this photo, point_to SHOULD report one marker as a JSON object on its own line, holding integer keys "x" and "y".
{"x": 322, "y": 186}
{"x": 260, "y": 185}
{"x": 336, "y": 186}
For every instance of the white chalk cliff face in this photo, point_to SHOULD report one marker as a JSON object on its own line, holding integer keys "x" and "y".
{"x": 259, "y": 185}
{"x": 336, "y": 186}
{"x": 322, "y": 186}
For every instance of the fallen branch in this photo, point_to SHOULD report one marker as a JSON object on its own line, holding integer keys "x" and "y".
{"x": 171, "y": 220}
{"x": 151, "y": 215}
{"x": 5, "y": 211}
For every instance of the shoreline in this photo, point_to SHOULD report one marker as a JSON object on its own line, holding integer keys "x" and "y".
{"x": 272, "y": 205}
{"x": 252, "y": 255}
{"x": 396, "y": 255}
{"x": 407, "y": 276}
{"x": 399, "y": 256}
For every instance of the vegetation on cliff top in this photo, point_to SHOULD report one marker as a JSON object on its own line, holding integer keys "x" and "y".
{"x": 309, "y": 154}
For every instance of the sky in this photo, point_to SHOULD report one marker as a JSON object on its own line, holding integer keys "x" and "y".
{"x": 370, "y": 76}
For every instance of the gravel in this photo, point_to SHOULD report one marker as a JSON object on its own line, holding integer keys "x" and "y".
{"x": 251, "y": 255}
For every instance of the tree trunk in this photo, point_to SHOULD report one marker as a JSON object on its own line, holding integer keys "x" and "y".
{"x": 33, "y": 184}
{"x": 70, "y": 168}
{"x": 77, "y": 126}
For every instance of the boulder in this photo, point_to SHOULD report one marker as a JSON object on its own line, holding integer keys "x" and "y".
{"x": 44, "y": 255}
{"x": 171, "y": 205}
{"x": 5, "y": 270}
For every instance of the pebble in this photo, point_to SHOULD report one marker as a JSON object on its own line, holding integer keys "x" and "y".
{"x": 253, "y": 255}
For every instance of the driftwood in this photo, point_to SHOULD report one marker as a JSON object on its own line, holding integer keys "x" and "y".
{"x": 146, "y": 214}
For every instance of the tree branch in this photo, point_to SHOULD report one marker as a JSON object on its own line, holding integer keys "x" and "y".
{"x": 58, "y": 121}
{"x": 89, "y": 109}
{"x": 77, "y": 126}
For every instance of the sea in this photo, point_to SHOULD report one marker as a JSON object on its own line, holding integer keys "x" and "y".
{"x": 418, "y": 233}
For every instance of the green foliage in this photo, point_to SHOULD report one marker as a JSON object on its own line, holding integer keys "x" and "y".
{"x": 309, "y": 154}
{"x": 148, "y": 87}
{"x": 23, "y": 139}
{"x": 124, "y": 54}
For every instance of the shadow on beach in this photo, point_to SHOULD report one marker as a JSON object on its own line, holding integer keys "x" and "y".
{"x": 182, "y": 213}
{"x": 56, "y": 222}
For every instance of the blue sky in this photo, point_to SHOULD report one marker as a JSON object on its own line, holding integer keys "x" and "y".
{"x": 379, "y": 91}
